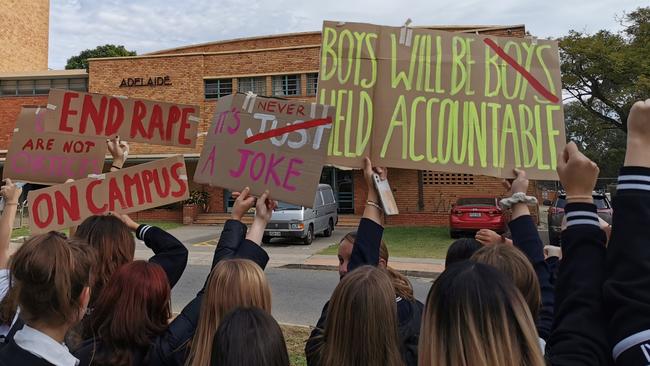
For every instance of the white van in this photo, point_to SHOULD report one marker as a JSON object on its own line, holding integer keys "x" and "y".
{"x": 291, "y": 221}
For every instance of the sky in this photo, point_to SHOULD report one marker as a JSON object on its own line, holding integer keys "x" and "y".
{"x": 150, "y": 25}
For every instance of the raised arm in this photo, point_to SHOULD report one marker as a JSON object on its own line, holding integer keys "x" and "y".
{"x": 627, "y": 287}
{"x": 169, "y": 252}
{"x": 578, "y": 336}
{"x": 371, "y": 230}
{"x": 526, "y": 237}
{"x": 11, "y": 193}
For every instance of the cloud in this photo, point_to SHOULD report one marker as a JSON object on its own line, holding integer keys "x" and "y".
{"x": 149, "y": 25}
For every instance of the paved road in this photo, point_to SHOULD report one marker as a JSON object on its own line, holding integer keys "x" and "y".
{"x": 298, "y": 295}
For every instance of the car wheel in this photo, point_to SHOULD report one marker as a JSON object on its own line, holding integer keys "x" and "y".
{"x": 307, "y": 240}
{"x": 266, "y": 239}
{"x": 330, "y": 229}
{"x": 454, "y": 234}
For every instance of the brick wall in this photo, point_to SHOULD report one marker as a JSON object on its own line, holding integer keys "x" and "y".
{"x": 9, "y": 111}
{"x": 157, "y": 214}
{"x": 24, "y": 35}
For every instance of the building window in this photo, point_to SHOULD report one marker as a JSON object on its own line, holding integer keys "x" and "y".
{"x": 41, "y": 86}
{"x": 286, "y": 85}
{"x": 217, "y": 88}
{"x": 448, "y": 179}
{"x": 254, "y": 85}
{"x": 312, "y": 83}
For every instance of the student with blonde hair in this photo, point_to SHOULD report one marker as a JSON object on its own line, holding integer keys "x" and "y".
{"x": 474, "y": 315}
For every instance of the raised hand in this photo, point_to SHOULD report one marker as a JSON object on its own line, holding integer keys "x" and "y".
{"x": 519, "y": 185}
{"x": 638, "y": 135}
{"x": 578, "y": 174}
{"x": 126, "y": 220}
{"x": 264, "y": 208}
{"x": 243, "y": 203}
{"x": 489, "y": 237}
{"x": 10, "y": 192}
{"x": 119, "y": 151}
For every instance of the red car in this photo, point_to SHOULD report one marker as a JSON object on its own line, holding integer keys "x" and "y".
{"x": 470, "y": 214}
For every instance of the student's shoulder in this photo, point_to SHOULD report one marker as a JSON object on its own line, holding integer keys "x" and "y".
{"x": 12, "y": 355}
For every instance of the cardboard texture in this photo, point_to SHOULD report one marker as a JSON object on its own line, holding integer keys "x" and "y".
{"x": 137, "y": 188}
{"x": 132, "y": 119}
{"x": 288, "y": 165}
{"x": 36, "y": 156}
{"x": 434, "y": 100}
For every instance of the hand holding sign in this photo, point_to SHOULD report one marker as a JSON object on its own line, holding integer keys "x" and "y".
{"x": 119, "y": 151}
{"x": 10, "y": 192}
{"x": 243, "y": 203}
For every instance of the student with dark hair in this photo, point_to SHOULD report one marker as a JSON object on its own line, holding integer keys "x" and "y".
{"x": 461, "y": 250}
{"x": 249, "y": 336}
{"x": 474, "y": 315}
{"x": 53, "y": 279}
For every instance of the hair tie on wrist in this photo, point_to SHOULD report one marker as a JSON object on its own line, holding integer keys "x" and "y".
{"x": 116, "y": 167}
{"x": 579, "y": 197}
{"x": 519, "y": 197}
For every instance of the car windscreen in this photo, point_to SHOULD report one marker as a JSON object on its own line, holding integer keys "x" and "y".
{"x": 469, "y": 201}
{"x": 599, "y": 202}
{"x": 287, "y": 206}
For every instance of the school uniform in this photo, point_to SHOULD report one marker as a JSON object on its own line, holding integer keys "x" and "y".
{"x": 578, "y": 335}
{"x": 31, "y": 347}
{"x": 626, "y": 290}
{"x": 409, "y": 313}
{"x": 526, "y": 237}
{"x": 171, "y": 347}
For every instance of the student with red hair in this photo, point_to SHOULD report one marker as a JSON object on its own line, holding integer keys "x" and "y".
{"x": 133, "y": 308}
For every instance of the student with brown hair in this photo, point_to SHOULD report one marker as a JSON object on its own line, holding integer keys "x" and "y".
{"x": 53, "y": 279}
{"x": 409, "y": 309}
{"x": 249, "y": 336}
{"x": 361, "y": 325}
{"x": 474, "y": 315}
{"x": 365, "y": 251}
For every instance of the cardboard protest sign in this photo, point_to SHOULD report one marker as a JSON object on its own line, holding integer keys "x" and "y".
{"x": 132, "y": 119}
{"x": 266, "y": 143}
{"x": 137, "y": 188}
{"x": 434, "y": 100}
{"x": 41, "y": 157}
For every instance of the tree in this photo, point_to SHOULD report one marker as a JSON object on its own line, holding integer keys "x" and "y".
{"x": 108, "y": 50}
{"x": 599, "y": 140}
{"x": 607, "y": 72}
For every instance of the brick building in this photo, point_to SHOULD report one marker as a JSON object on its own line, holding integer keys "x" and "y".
{"x": 280, "y": 65}
{"x": 24, "y": 32}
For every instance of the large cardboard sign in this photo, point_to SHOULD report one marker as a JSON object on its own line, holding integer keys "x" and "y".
{"x": 258, "y": 142}
{"x": 137, "y": 188}
{"x": 434, "y": 100}
{"x": 41, "y": 157}
{"x": 132, "y": 119}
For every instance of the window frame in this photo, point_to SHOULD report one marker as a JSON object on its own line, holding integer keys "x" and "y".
{"x": 281, "y": 84}
{"x": 220, "y": 91}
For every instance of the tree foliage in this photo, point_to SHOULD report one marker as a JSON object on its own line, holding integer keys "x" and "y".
{"x": 605, "y": 73}
{"x": 109, "y": 50}
{"x": 598, "y": 139}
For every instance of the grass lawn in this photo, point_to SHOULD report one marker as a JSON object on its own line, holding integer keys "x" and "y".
{"x": 165, "y": 225}
{"x": 295, "y": 338}
{"x": 413, "y": 242}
